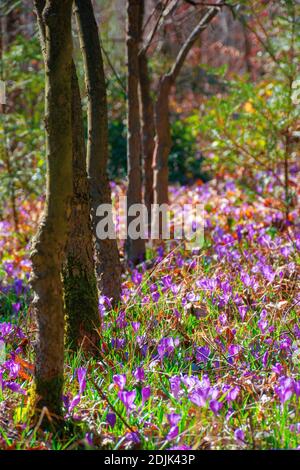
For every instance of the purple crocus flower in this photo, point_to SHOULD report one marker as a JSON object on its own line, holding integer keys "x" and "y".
{"x": 14, "y": 387}
{"x": 74, "y": 402}
{"x": 12, "y": 367}
{"x": 233, "y": 394}
{"x": 181, "y": 447}
{"x": 16, "y": 307}
{"x": 268, "y": 273}
{"x": 18, "y": 285}
{"x": 202, "y": 354}
{"x": 243, "y": 309}
{"x": 132, "y": 437}
{"x": 285, "y": 343}
{"x": 136, "y": 277}
{"x": 246, "y": 279}
{"x": 285, "y": 389}
{"x": 295, "y": 428}
{"x": 297, "y": 330}
{"x": 167, "y": 282}
{"x": 155, "y": 296}
{"x": 136, "y": 326}
{"x": 5, "y": 329}
{"x": 173, "y": 419}
{"x": 175, "y": 288}
{"x": 166, "y": 347}
{"x": 120, "y": 380}
{"x": 146, "y": 393}
{"x": 9, "y": 268}
{"x": 198, "y": 397}
{"x": 233, "y": 350}
{"x": 285, "y": 251}
{"x": 89, "y": 439}
{"x": 265, "y": 359}
{"x": 215, "y": 406}
{"x": 297, "y": 388}
{"x": 139, "y": 374}
{"x": 278, "y": 369}
{"x": 175, "y": 385}
{"x": 173, "y": 433}
{"x": 263, "y": 325}
{"x": 121, "y": 320}
{"x": 239, "y": 435}
{"x": 127, "y": 398}
{"x": 118, "y": 343}
{"x": 81, "y": 376}
{"x": 111, "y": 419}
{"x": 153, "y": 288}
{"x": 176, "y": 313}
{"x": 104, "y": 302}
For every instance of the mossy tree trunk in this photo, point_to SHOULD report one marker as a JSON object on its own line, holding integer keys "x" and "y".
{"x": 147, "y": 121}
{"x": 49, "y": 244}
{"x": 80, "y": 286}
{"x": 135, "y": 248}
{"x": 108, "y": 266}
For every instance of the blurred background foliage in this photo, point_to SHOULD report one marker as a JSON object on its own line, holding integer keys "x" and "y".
{"x": 232, "y": 109}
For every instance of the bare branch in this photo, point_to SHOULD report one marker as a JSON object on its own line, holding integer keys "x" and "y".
{"x": 190, "y": 41}
{"x": 163, "y": 13}
{"x": 115, "y": 73}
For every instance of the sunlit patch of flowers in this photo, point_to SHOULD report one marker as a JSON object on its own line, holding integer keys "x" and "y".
{"x": 203, "y": 350}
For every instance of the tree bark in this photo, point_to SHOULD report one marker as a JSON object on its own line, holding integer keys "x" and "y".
{"x": 163, "y": 142}
{"x": 162, "y": 125}
{"x": 147, "y": 122}
{"x": 50, "y": 241}
{"x": 135, "y": 248}
{"x": 80, "y": 286}
{"x": 107, "y": 256}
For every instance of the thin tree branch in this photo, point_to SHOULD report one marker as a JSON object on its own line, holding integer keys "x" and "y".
{"x": 112, "y": 68}
{"x": 155, "y": 28}
{"x": 190, "y": 41}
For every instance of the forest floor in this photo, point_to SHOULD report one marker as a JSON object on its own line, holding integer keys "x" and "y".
{"x": 203, "y": 353}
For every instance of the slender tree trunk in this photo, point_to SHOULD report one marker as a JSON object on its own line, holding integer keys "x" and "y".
{"x": 107, "y": 256}
{"x": 162, "y": 125}
{"x": 80, "y": 286}
{"x": 50, "y": 241}
{"x": 147, "y": 122}
{"x": 163, "y": 142}
{"x": 135, "y": 248}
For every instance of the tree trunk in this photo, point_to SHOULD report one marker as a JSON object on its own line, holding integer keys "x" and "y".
{"x": 162, "y": 125}
{"x": 50, "y": 241}
{"x": 107, "y": 256}
{"x": 135, "y": 248}
{"x": 147, "y": 123}
{"x": 163, "y": 143}
{"x": 80, "y": 286}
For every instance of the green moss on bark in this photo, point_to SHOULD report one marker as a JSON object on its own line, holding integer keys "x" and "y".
{"x": 46, "y": 394}
{"x": 81, "y": 303}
